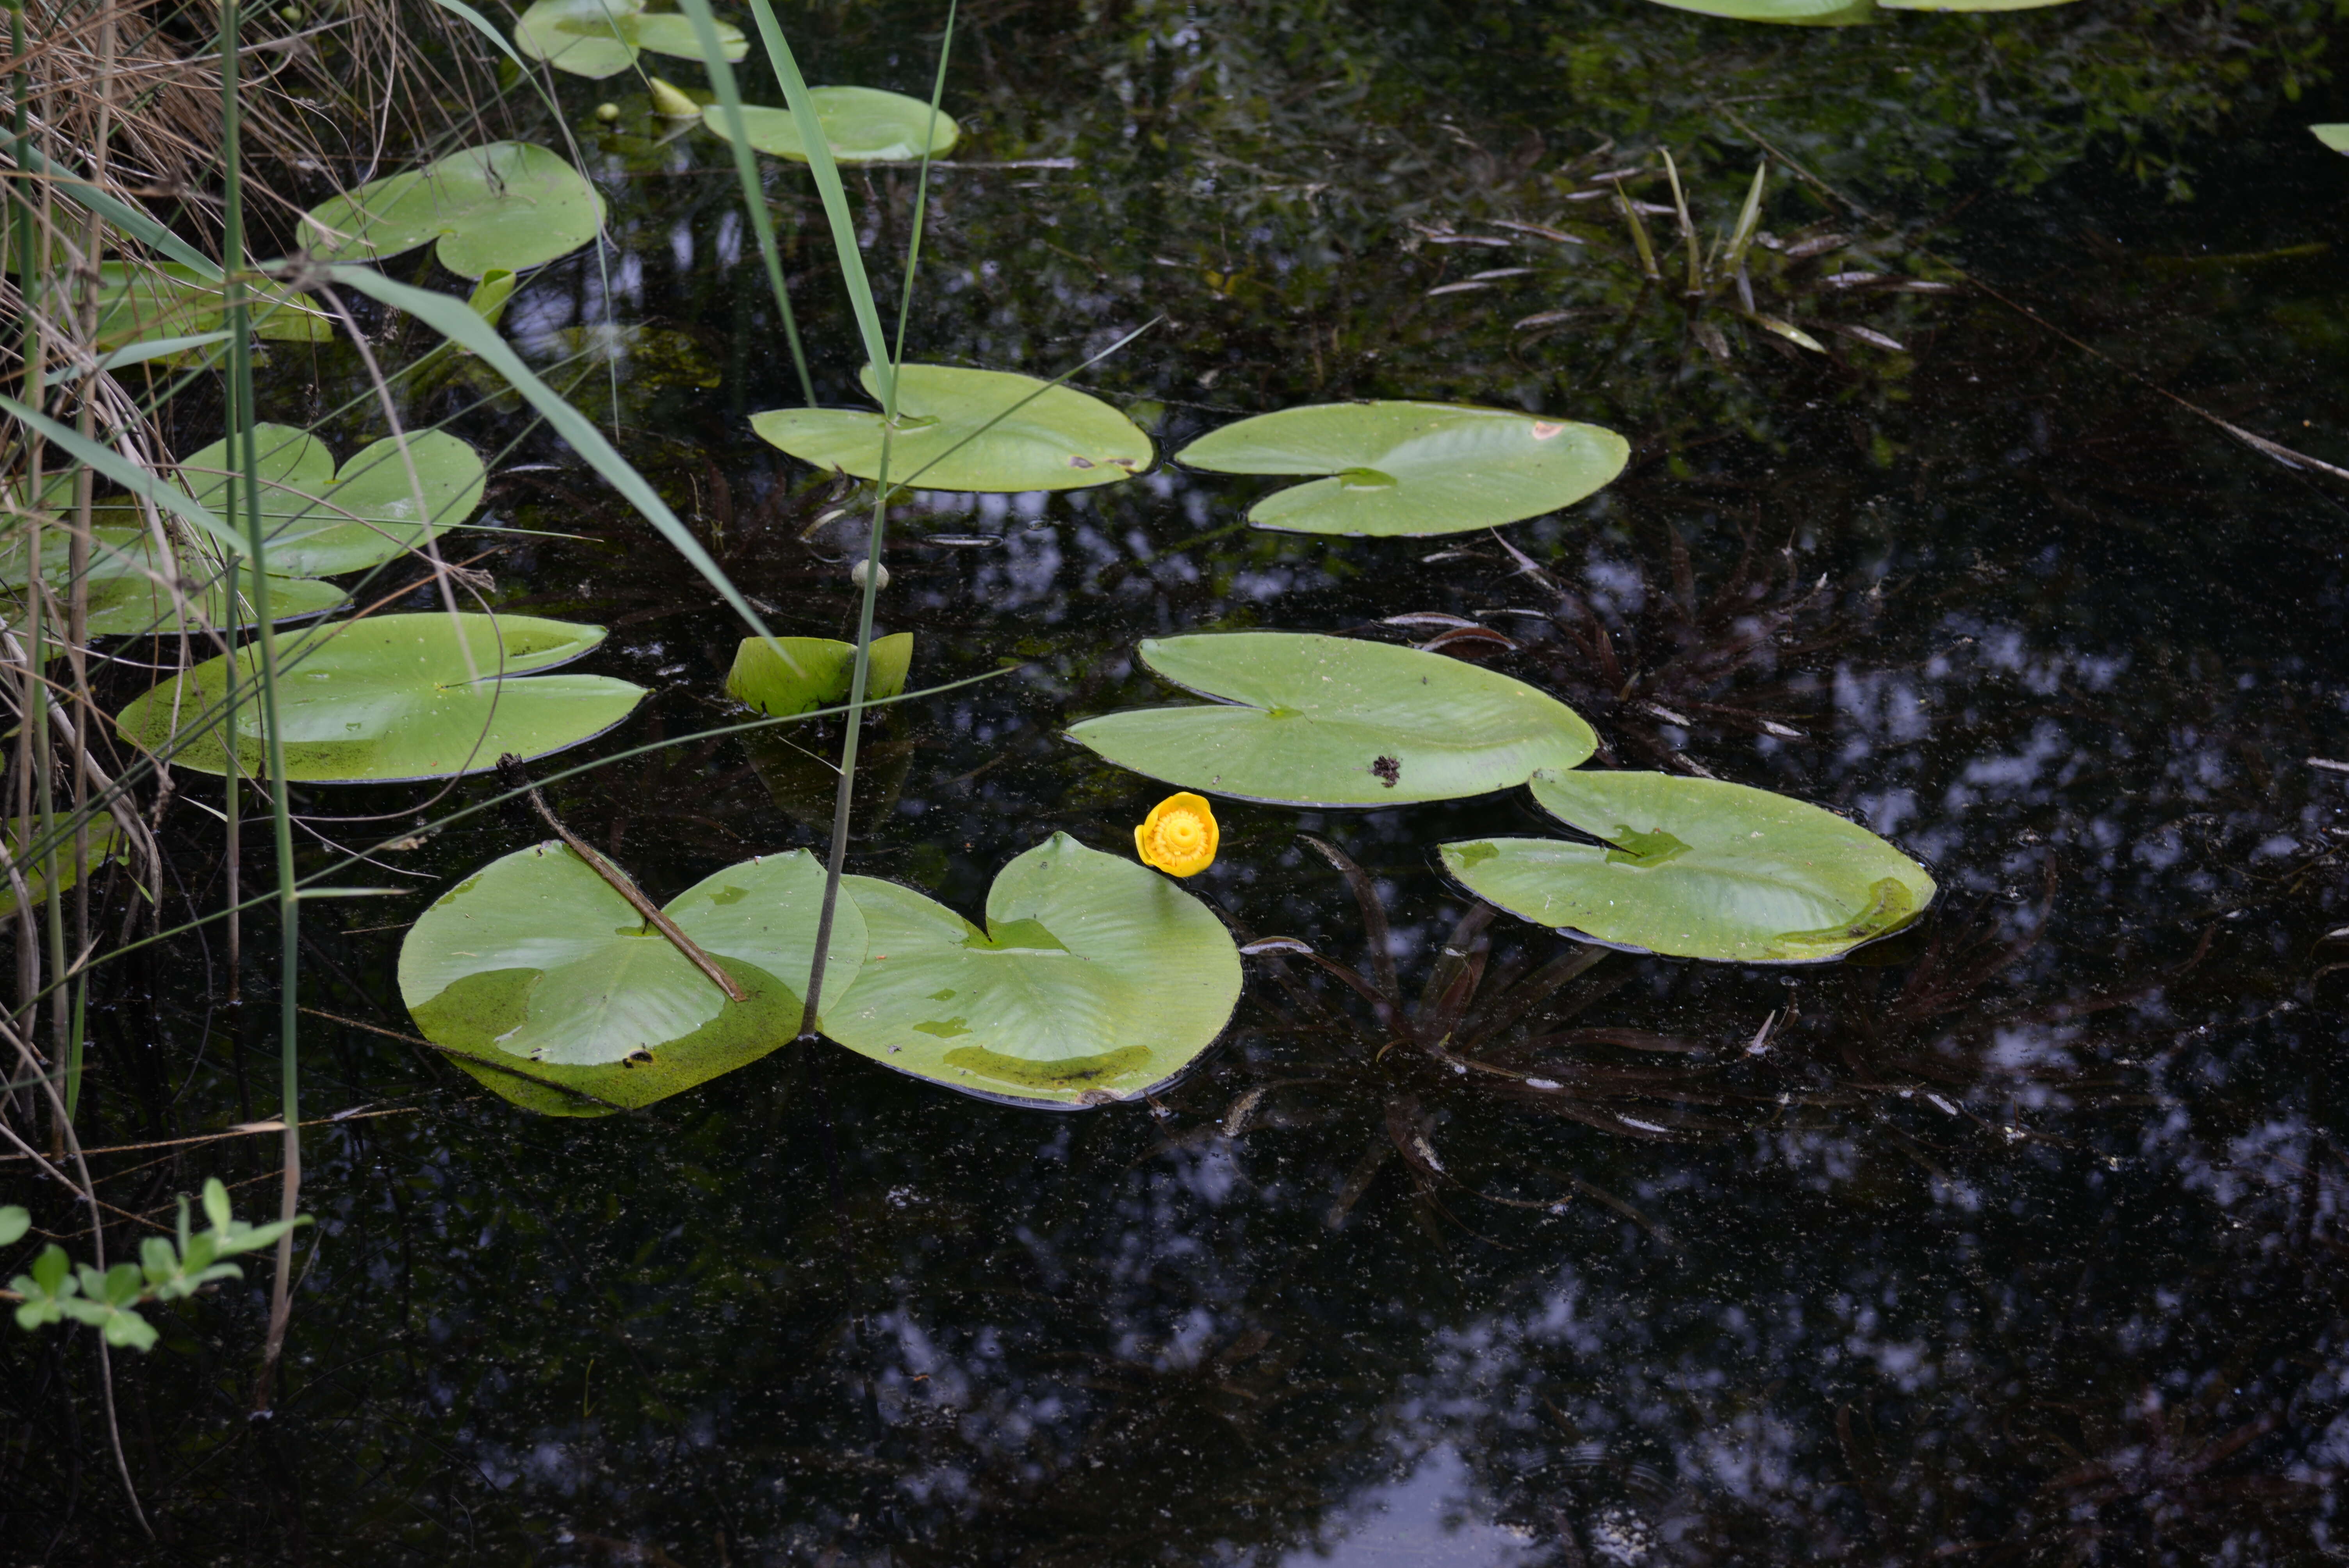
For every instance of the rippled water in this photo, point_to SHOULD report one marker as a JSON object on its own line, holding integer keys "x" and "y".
{"x": 2019, "y": 1240}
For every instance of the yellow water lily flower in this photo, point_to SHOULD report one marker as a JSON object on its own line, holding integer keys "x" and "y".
{"x": 1178, "y": 837}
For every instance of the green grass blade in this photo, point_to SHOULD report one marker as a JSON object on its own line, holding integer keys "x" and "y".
{"x": 746, "y": 169}
{"x": 454, "y": 319}
{"x": 127, "y": 474}
{"x": 134, "y": 220}
{"x": 836, "y": 203}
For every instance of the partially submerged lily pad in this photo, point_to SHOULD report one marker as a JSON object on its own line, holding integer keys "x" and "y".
{"x": 390, "y": 698}
{"x": 2335, "y": 137}
{"x": 547, "y": 984}
{"x": 599, "y": 38}
{"x": 504, "y": 204}
{"x": 799, "y": 675}
{"x": 861, "y": 125}
{"x": 1412, "y": 469}
{"x": 321, "y": 522}
{"x": 1696, "y": 868}
{"x": 168, "y": 300}
{"x": 962, "y": 430}
{"x": 1095, "y": 980}
{"x": 101, "y": 840}
{"x": 1305, "y": 720}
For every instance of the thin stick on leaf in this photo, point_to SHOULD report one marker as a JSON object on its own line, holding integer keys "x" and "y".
{"x": 510, "y": 773}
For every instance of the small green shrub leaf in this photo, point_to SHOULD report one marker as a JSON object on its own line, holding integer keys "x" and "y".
{"x": 861, "y": 125}
{"x": 504, "y": 204}
{"x": 1096, "y": 980}
{"x": 1411, "y": 469}
{"x": 13, "y": 1223}
{"x": 543, "y": 982}
{"x": 962, "y": 430}
{"x": 798, "y": 675}
{"x": 1696, "y": 868}
{"x": 390, "y": 697}
{"x": 1307, "y": 720}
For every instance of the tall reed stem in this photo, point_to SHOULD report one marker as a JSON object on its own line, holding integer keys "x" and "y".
{"x": 862, "y": 671}
{"x": 289, "y": 908}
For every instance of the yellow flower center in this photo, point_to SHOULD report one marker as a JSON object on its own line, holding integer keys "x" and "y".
{"x": 1182, "y": 835}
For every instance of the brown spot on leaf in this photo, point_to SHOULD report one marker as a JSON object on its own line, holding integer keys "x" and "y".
{"x": 1081, "y": 462}
{"x": 1388, "y": 771}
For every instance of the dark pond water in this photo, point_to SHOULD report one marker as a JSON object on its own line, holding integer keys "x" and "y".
{"x": 2020, "y": 1240}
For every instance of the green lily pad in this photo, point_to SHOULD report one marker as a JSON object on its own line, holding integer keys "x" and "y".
{"x": 1057, "y": 439}
{"x": 320, "y": 522}
{"x": 861, "y": 125}
{"x": 1095, "y": 980}
{"x": 814, "y": 672}
{"x": 599, "y": 38}
{"x": 139, "y": 302}
{"x": 548, "y": 986}
{"x": 1695, "y": 868}
{"x": 102, "y": 837}
{"x": 389, "y": 698}
{"x": 1303, "y": 721}
{"x": 126, "y": 599}
{"x": 1411, "y": 469}
{"x": 1794, "y": 13}
{"x": 2335, "y": 137}
{"x": 1970, "y": 4}
{"x": 505, "y": 204}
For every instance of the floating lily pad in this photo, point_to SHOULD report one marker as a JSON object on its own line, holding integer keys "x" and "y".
{"x": 1056, "y": 439}
{"x": 814, "y": 672}
{"x": 1969, "y": 4}
{"x": 102, "y": 839}
{"x": 1304, "y": 720}
{"x": 138, "y": 303}
{"x": 1095, "y": 980}
{"x": 548, "y": 986}
{"x": 389, "y": 698}
{"x": 1795, "y": 12}
{"x": 600, "y": 38}
{"x": 1694, "y": 867}
{"x": 2335, "y": 137}
{"x": 1411, "y": 469}
{"x": 125, "y": 597}
{"x": 505, "y": 204}
{"x": 320, "y": 522}
{"x": 861, "y": 125}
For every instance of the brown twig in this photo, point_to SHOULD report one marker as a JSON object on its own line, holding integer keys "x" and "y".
{"x": 510, "y": 769}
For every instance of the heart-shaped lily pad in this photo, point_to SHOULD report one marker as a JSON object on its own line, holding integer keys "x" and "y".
{"x": 508, "y": 204}
{"x": 126, "y": 598}
{"x": 1695, "y": 868}
{"x": 1411, "y": 469}
{"x": 809, "y": 673}
{"x": 969, "y": 430}
{"x": 389, "y": 698}
{"x": 861, "y": 125}
{"x": 602, "y": 37}
{"x": 1305, "y": 720}
{"x": 320, "y": 522}
{"x": 1095, "y": 980}
{"x": 548, "y": 986}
